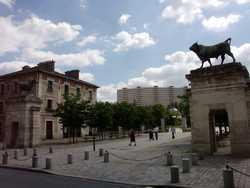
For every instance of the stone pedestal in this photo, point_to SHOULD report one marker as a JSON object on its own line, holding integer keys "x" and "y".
{"x": 222, "y": 88}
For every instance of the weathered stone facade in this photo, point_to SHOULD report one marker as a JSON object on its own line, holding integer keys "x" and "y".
{"x": 222, "y": 89}
{"x": 28, "y": 99}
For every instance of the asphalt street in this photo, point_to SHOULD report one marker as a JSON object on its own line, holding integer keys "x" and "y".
{"x": 10, "y": 178}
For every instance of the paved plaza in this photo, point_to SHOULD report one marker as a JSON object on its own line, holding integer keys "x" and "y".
{"x": 143, "y": 164}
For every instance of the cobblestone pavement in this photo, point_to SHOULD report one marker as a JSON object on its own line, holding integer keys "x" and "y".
{"x": 143, "y": 164}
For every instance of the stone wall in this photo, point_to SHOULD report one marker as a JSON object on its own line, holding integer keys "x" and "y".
{"x": 221, "y": 87}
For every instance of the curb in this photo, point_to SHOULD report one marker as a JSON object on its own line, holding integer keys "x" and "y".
{"x": 91, "y": 179}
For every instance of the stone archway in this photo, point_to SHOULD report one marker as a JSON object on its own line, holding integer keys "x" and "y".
{"x": 219, "y": 131}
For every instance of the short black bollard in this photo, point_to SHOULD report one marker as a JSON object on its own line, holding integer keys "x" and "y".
{"x": 48, "y": 163}
{"x": 185, "y": 165}
{"x": 86, "y": 155}
{"x": 70, "y": 159}
{"x": 16, "y": 154}
{"x": 169, "y": 159}
{"x": 228, "y": 178}
{"x": 106, "y": 157}
{"x": 25, "y": 151}
{"x": 100, "y": 152}
{"x": 174, "y": 173}
{"x": 50, "y": 150}
{"x": 5, "y": 158}
{"x": 34, "y": 161}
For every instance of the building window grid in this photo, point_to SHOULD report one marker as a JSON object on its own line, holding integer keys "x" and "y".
{"x": 49, "y": 104}
{"x": 66, "y": 89}
{"x": 50, "y": 86}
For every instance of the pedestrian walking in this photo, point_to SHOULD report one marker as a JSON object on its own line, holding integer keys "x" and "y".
{"x": 156, "y": 130}
{"x": 132, "y": 137}
{"x": 151, "y": 135}
{"x": 173, "y": 132}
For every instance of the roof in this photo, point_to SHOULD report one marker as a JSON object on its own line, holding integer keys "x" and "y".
{"x": 54, "y": 73}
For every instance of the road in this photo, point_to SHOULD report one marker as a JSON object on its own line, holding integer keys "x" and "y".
{"x": 10, "y": 178}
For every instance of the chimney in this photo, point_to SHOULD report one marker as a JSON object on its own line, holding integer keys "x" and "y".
{"x": 73, "y": 74}
{"x": 47, "y": 66}
{"x": 26, "y": 67}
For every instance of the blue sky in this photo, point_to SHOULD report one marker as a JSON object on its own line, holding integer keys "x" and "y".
{"x": 120, "y": 43}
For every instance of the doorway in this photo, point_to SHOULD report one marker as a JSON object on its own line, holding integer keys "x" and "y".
{"x": 14, "y": 134}
{"x": 219, "y": 130}
{"x": 49, "y": 130}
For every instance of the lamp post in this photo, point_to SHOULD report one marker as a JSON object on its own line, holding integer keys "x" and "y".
{"x": 94, "y": 132}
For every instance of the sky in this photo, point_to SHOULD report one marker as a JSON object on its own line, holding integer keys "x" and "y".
{"x": 121, "y": 43}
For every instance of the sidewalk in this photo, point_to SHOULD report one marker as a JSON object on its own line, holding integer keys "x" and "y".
{"x": 129, "y": 164}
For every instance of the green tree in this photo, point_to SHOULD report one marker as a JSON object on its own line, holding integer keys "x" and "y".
{"x": 184, "y": 108}
{"x": 73, "y": 114}
{"x": 158, "y": 112}
{"x": 101, "y": 117}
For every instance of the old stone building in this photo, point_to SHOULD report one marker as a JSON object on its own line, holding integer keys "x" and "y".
{"x": 28, "y": 98}
{"x": 220, "y": 97}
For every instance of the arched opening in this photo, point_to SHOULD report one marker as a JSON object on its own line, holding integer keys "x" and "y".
{"x": 220, "y": 141}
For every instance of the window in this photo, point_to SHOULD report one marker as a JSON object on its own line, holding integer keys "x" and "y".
{"x": 1, "y": 132}
{"x": 1, "y": 107}
{"x": 66, "y": 90}
{"x": 49, "y": 104}
{"x": 90, "y": 96}
{"x": 50, "y": 86}
{"x": 78, "y": 91}
{"x": 2, "y": 89}
{"x": 15, "y": 87}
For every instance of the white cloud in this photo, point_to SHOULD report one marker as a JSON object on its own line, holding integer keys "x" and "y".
{"x": 161, "y": 1}
{"x": 8, "y": 3}
{"x": 124, "y": 19}
{"x": 82, "y": 59}
{"x": 242, "y": 1}
{"x": 219, "y": 24}
{"x": 136, "y": 40}
{"x": 187, "y": 11}
{"x": 87, "y": 77}
{"x": 83, "y": 4}
{"x": 33, "y": 32}
{"x": 11, "y": 66}
{"x": 87, "y": 40}
{"x": 146, "y": 25}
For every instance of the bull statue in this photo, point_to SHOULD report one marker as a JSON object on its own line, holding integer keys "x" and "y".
{"x": 214, "y": 51}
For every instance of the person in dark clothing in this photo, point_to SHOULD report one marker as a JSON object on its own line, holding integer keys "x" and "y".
{"x": 151, "y": 135}
{"x": 132, "y": 137}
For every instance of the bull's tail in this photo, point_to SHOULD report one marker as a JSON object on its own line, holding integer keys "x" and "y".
{"x": 228, "y": 41}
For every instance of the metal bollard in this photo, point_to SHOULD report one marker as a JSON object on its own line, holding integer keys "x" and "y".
{"x": 25, "y": 151}
{"x": 48, "y": 163}
{"x": 185, "y": 165}
{"x": 50, "y": 150}
{"x": 228, "y": 178}
{"x": 106, "y": 157}
{"x": 100, "y": 152}
{"x": 169, "y": 159}
{"x": 174, "y": 173}
{"x": 34, "y": 161}
{"x": 86, "y": 155}
{"x": 15, "y": 154}
{"x": 194, "y": 158}
{"x": 70, "y": 159}
{"x": 5, "y": 158}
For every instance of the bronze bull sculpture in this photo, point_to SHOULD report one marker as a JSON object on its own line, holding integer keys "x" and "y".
{"x": 214, "y": 51}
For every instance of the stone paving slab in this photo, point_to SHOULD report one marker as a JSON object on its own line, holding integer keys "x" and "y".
{"x": 121, "y": 169}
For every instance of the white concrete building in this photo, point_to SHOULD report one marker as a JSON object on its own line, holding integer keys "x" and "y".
{"x": 144, "y": 96}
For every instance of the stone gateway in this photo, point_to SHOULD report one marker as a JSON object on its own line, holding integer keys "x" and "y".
{"x": 220, "y": 108}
